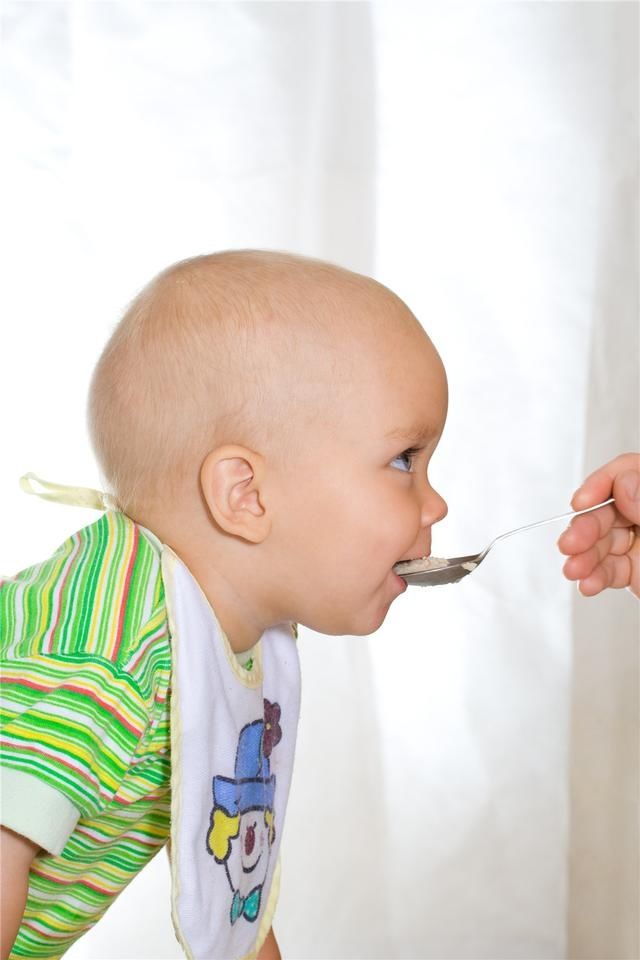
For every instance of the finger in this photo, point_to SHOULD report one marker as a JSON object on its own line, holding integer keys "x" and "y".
{"x": 582, "y": 565}
{"x": 634, "y": 558}
{"x": 613, "y": 572}
{"x": 587, "y": 529}
{"x": 599, "y": 485}
{"x": 626, "y": 490}
{"x": 615, "y": 541}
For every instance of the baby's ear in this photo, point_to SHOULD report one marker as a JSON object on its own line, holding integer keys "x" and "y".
{"x": 231, "y": 479}
{"x": 223, "y": 830}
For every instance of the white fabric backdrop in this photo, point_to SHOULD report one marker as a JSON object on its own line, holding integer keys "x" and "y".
{"x": 471, "y": 792}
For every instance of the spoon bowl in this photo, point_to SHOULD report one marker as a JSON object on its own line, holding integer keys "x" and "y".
{"x": 456, "y": 568}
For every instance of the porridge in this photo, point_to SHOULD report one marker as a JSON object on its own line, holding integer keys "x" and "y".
{"x": 422, "y": 563}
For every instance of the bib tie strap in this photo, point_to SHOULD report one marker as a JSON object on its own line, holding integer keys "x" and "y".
{"x": 72, "y": 496}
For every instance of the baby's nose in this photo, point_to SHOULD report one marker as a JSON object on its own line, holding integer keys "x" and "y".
{"x": 435, "y": 508}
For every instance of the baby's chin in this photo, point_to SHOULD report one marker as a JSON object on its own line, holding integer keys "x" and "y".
{"x": 371, "y": 622}
{"x": 361, "y": 620}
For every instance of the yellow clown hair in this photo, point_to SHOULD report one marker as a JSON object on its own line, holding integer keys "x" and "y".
{"x": 268, "y": 819}
{"x": 223, "y": 830}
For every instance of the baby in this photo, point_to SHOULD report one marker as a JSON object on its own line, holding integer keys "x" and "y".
{"x": 263, "y": 424}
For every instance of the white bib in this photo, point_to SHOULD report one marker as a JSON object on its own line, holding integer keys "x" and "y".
{"x": 233, "y": 734}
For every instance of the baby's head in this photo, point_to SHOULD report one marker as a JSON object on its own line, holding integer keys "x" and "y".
{"x": 254, "y": 409}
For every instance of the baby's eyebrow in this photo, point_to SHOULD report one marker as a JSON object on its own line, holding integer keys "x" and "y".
{"x": 417, "y": 433}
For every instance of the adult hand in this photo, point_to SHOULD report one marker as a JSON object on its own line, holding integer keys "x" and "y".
{"x": 604, "y": 546}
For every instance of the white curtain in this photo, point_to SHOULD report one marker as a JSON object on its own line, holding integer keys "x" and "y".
{"x": 466, "y": 784}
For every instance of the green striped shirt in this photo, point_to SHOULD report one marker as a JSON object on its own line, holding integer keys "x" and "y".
{"x": 84, "y": 721}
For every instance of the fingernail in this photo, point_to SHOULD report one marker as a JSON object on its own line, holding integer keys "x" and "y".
{"x": 631, "y": 485}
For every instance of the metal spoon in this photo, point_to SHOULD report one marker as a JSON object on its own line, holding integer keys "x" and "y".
{"x": 456, "y": 568}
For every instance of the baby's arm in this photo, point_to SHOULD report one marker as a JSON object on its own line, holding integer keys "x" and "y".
{"x": 269, "y": 949}
{"x": 16, "y": 856}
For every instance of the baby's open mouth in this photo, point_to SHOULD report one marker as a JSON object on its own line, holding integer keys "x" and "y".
{"x": 419, "y": 563}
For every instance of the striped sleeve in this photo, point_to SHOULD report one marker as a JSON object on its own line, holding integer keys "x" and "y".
{"x": 71, "y": 713}
{"x": 75, "y": 723}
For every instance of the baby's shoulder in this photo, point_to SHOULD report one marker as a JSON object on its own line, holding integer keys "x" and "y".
{"x": 100, "y": 594}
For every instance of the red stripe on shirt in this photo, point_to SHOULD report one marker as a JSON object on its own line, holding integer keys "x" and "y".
{"x": 125, "y": 593}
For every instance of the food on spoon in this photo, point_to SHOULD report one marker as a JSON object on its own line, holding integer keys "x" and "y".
{"x": 419, "y": 564}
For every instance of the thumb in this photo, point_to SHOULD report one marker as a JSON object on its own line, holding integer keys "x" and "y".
{"x": 626, "y": 490}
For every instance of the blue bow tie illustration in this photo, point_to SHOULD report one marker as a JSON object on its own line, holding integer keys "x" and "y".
{"x": 248, "y": 907}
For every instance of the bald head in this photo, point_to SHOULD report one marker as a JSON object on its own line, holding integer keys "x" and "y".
{"x": 246, "y": 347}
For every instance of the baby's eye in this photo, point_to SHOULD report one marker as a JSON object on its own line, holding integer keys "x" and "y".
{"x": 409, "y": 454}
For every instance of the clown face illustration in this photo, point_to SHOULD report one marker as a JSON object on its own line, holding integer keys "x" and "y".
{"x": 241, "y": 830}
{"x": 249, "y": 857}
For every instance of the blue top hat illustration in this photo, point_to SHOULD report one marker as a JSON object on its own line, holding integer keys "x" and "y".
{"x": 254, "y": 785}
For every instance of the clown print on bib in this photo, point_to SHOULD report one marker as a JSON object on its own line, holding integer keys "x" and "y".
{"x": 242, "y": 829}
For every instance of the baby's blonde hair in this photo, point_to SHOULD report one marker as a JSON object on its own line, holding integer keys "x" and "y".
{"x": 207, "y": 354}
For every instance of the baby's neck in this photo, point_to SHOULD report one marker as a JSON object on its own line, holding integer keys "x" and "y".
{"x": 242, "y": 626}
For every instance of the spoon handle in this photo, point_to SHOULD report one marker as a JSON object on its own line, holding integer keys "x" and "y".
{"x": 562, "y": 516}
